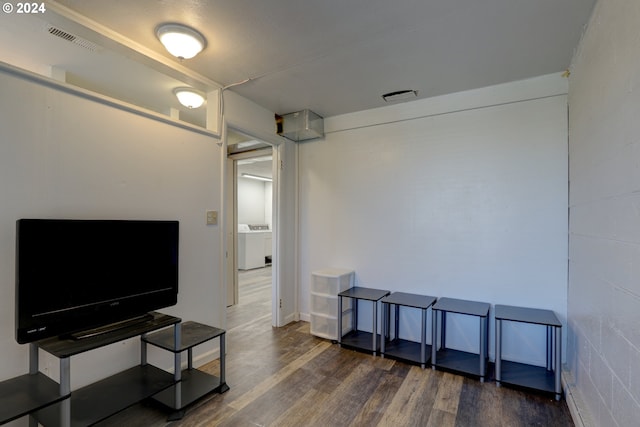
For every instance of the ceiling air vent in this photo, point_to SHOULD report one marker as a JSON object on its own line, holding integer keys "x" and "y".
{"x": 79, "y": 41}
{"x": 400, "y": 95}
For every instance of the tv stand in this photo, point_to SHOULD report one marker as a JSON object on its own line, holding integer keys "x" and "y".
{"x": 111, "y": 327}
{"x": 97, "y": 401}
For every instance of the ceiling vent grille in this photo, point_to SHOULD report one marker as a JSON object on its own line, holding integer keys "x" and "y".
{"x": 400, "y": 95}
{"x": 79, "y": 41}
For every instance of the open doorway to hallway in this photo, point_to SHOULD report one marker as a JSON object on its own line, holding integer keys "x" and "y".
{"x": 251, "y": 170}
{"x": 254, "y": 302}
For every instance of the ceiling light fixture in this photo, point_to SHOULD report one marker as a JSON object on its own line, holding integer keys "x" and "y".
{"x": 181, "y": 41}
{"x": 188, "y": 97}
{"x": 258, "y": 177}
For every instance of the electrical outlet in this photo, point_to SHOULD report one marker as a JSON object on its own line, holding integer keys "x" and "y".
{"x": 212, "y": 217}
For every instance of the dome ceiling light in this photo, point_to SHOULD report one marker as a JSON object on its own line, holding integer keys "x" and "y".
{"x": 188, "y": 97}
{"x": 181, "y": 41}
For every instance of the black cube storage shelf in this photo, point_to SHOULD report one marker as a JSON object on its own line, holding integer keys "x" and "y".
{"x": 194, "y": 384}
{"x": 455, "y": 360}
{"x": 357, "y": 339}
{"x": 542, "y": 378}
{"x": 410, "y": 351}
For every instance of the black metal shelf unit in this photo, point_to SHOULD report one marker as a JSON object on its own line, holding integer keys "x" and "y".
{"x": 357, "y": 339}
{"x": 455, "y": 360}
{"x": 96, "y": 402}
{"x": 543, "y": 378}
{"x": 396, "y": 347}
{"x": 194, "y": 383}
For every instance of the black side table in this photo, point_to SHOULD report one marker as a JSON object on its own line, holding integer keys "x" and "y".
{"x": 455, "y": 360}
{"x": 545, "y": 379}
{"x": 356, "y": 339}
{"x": 399, "y": 348}
{"x": 194, "y": 383}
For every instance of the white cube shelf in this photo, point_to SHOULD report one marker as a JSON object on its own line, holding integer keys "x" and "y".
{"x": 331, "y": 281}
{"x": 327, "y": 327}
{"x": 325, "y": 286}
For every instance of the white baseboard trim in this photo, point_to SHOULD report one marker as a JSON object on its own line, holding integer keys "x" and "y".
{"x": 291, "y": 318}
{"x": 580, "y": 417}
{"x": 305, "y": 317}
{"x": 198, "y": 360}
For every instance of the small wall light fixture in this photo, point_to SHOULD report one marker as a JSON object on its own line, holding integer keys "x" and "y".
{"x": 188, "y": 97}
{"x": 181, "y": 41}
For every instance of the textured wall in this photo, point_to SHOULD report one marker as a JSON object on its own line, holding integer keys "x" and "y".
{"x": 604, "y": 285}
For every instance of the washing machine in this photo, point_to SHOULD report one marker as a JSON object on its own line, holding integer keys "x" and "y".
{"x": 254, "y": 246}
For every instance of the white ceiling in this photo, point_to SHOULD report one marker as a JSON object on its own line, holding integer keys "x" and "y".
{"x": 331, "y": 56}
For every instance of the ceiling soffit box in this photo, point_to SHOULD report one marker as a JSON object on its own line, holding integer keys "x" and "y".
{"x": 300, "y": 126}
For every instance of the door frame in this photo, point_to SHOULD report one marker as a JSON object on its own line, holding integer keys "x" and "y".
{"x": 232, "y": 217}
{"x": 278, "y": 318}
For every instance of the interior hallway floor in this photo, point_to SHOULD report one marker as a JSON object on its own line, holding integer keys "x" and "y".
{"x": 287, "y": 377}
{"x": 254, "y": 298}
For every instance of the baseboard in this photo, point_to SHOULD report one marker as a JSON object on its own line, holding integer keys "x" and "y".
{"x": 305, "y": 317}
{"x": 580, "y": 417}
{"x": 204, "y": 358}
{"x": 198, "y": 360}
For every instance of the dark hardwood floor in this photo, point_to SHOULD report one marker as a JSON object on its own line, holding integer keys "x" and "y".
{"x": 287, "y": 377}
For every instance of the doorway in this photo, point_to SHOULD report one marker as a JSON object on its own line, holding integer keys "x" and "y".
{"x": 252, "y": 290}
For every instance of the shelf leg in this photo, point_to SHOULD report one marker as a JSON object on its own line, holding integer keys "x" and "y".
{"x": 434, "y": 337}
{"x": 223, "y": 352}
{"x": 339, "y": 321}
{"x": 374, "y": 326}
{"x": 486, "y": 343}
{"x": 65, "y": 389}
{"x": 190, "y": 358}
{"x": 443, "y": 330}
{"x": 386, "y": 312}
{"x": 143, "y": 351}
{"x": 385, "y": 327}
{"x": 396, "y": 322}
{"x": 177, "y": 361}
{"x": 549, "y": 349}
{"x": 354, "y": 318}
{"x": 498, "y": 351}
{"x": 558, "y": 368}
{"x": 33, "y": 359}
{"x": 423, "y": 338}
{"x": 177, "y": 365}
{"x": 65, "y": 412}
{"x": 483, "y": 348}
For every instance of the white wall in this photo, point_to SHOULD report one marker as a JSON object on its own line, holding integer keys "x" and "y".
{"x": 252, "y": 201}
{"x": 604, "y": 276}
{"x": 65, "y": 156}
{"x": 268, "y": 204}
{"x": 463, "y": 196}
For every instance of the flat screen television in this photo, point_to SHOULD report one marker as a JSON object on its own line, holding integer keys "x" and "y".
{"x": 75, "y": 275}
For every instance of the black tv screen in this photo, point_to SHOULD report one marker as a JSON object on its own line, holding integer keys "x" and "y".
{"x": 73, "y": 275}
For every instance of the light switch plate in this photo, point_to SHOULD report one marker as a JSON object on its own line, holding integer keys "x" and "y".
{"x": 212, "y": 217}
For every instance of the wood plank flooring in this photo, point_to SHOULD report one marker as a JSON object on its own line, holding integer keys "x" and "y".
{"x": 287, "y": 377}
{"x": 254, "y": 297}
